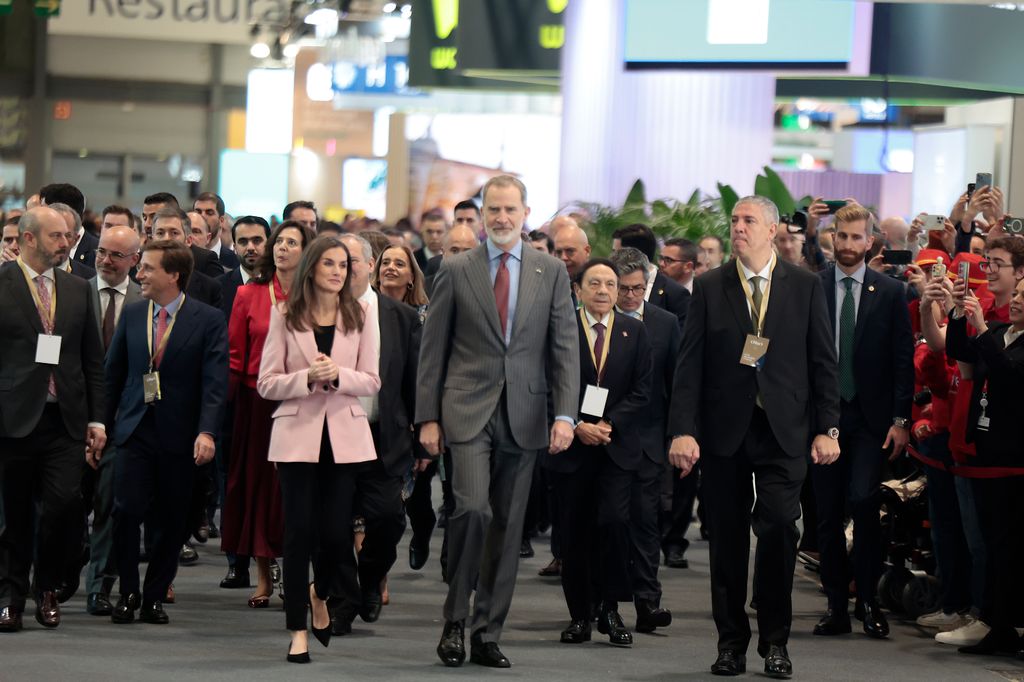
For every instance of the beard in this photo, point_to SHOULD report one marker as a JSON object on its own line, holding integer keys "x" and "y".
{"x": 502, "y": 238}
{"x": 849, "y": 258}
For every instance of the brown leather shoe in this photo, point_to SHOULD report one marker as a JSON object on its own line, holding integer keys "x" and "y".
{"x": 48, "y": 610}
{"x": 10, "y": 619}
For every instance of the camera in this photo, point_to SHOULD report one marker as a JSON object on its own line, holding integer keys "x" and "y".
{"x": 1014, "y": 226}
{"x": 796, "y": 223}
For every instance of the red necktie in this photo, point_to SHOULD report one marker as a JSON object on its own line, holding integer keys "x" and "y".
{"x": 501, "y": 287}
{"x": 598, "y": 347}
{"x": 161, "y": 329}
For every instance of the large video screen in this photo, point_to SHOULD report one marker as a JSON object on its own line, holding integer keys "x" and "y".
{"x": 744, "y": 34}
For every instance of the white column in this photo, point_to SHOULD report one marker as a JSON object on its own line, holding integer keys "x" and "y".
{"x": 674, "y": 130}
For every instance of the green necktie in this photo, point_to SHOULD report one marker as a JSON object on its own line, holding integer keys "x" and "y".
{"x": 847, "y": 327}
{"x": 755, "y": 310}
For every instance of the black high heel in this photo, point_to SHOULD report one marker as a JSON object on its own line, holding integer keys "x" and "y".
{"x": 297, "y": 658}
{"x": 323, "y": 635}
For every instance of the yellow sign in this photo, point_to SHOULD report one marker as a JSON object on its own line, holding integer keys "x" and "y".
{"x": 446, "y": 17}
{"x": 552, "y": 36}
{"x": 557, "y": 6}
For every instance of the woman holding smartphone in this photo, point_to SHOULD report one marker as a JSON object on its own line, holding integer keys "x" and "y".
{"x": 320, "y": 357}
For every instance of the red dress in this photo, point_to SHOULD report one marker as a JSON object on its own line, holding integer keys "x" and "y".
{"x": 252, "y": 519}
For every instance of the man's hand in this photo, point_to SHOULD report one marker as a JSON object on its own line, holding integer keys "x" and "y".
{"x": 593, "y": 434}
{"x": 975, "y": 315}
{"x": 9, "y": 253}
{"x": 916, "y": 278}
{"x": 824, "y": 450}
{"x": 204, "y": 449}
{"x": 92, "y": 457}
{"x": 561, "y": 437}
{"x": 878, "y": 264}
{"x": 420, "y": 465}
{"x": 992, "y": 207}
{"x": 432, "y": 438}
{"x": 684, "y": 453}
{"x": 815, "y": 212}
{"x": 95, "y": 438}
{"x": 898, "y": 437}
{"x": 956, "y": 215}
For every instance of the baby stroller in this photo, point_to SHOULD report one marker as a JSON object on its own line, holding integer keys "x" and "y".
{"x": 908, "y": 586}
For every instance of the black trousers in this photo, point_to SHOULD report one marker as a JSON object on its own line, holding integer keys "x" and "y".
{"x": 594, "y": 502}
{"x": 676, "y": 514}
{"x": 850, "y": 485}
{"x": 153, "y": 484}
{"x": 40, "y": 472}
{"x": 1000, "y": 504}
{"x": 731, "y": 513}
{"x": 644, "y": 505}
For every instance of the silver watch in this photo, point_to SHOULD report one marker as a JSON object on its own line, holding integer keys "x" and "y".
{"x": 901, "y": 422}
{"x": 833, "y": 433}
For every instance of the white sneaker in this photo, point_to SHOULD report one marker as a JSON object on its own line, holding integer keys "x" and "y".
{"x": 940, "y": 620}
{"x": 966, "y": 635}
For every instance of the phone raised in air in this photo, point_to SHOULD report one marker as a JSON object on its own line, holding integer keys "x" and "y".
{"x": 983, "y": 180}
{"x": 897, "y": 257}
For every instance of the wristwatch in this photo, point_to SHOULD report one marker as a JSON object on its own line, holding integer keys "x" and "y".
{"x": 901, "y": 422}
{"x": 833, "y": 433}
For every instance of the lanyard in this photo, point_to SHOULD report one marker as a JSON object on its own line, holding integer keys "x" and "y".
{"x": 591, "y": 339}
{"x": 749, "y": 293}
{"x": 32, "y": 289}
{"x": 167, "y": 332}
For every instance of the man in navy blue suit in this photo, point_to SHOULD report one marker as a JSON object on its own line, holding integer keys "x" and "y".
{"x": 167, "y": 370}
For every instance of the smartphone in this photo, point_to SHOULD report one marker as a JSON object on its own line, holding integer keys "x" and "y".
{"x": 1014, "y": 226}
{"x": 964, "y": 270}
{"x": 835, "y": 205}
{"x": 970, "y": 189}
{"x": 933, "y": 222}
{"x": 897, "y": 257}
{"x": 939, "y": 269}
{"x": 983, "y": 180}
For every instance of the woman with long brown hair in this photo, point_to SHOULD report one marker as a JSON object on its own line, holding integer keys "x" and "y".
{"x": 251, "y": 516}
{"x": 398, "y": 276}
{"x": 321, "y": 354}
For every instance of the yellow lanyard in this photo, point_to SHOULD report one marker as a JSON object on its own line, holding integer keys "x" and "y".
{"x": 750, "y": 293}
{"x": 592, "y": 338}
{"x": 167, "y": 333}
{"x": 52, "y": 312}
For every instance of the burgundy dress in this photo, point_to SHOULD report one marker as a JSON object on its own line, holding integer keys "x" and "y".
{"x": 252, "y": 519}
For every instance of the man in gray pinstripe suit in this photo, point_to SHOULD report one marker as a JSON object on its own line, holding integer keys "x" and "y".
{"x": 500, "y": 334}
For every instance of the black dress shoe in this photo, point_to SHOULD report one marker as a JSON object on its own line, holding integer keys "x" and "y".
{"x": 235, "y": 579}
{"x": 154, "y": 614}
{"x": 552, "y": 570}
{"x": 188, "y": 555}
{"x": 68, "y": 588}
{"x": 213, "y": 531}
{"x": 98, "y": 604}
{"x": 10, "y": 619}
{"x": 452, "y": 648}
{"x": 875, "y": 624}
{"x": 419, "y": 552}
{"x": 48, "y": 610}
{"x": 833, "y": 623}
{"x": 124, "y": 612}
{"x": 577, "y": 632}
{"x": 487, "y": 654}
{"x": 650, "y": 616}
{"x": 369, "y": 610}
{"x": 526, "y": 549}
{"x": 998, "y": 642}
{"x": 442, "y": 517}
{"x": 675, "y": 558}
{"x": 610, "y": 623}
{"x": 777, "y": 663}
{"x": 729, "y": 664}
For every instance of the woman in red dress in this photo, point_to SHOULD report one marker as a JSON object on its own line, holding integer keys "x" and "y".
{"x": 252, "y": 516}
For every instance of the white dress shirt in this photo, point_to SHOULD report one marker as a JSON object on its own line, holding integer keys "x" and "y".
{"x": 371, "y": 403}
{"x": 74, "y": 251}
{"x": 122, "y": 292}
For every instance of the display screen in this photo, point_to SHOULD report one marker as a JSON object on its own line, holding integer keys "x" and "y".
{"x": 742, "y": 34}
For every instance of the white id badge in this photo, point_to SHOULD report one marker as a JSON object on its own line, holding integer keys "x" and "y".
{"x": 48, "y": 349}
{"x": 594, "y": 399}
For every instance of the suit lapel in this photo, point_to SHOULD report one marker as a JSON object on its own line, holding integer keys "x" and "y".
{"x": 588, "y": 373}
{"x": 388, "y": 327}
{"x": 184, "y": 326}
{"x": 97, "y": 306}
{"x": 868, "y": 294}
{"x": 778, "y": 295}
{"x": 23, "y": 295}
{"x": 736, "y": 298}
{"x": 478, "y": 271}
{"x": 531, "y": 273}
{"x": 829, "y": 282}
{"x": 134, "y": 293}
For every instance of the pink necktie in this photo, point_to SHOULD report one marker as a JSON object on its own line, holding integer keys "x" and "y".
{"x": 44, "y": 316}
{"x": 161, "y": 329}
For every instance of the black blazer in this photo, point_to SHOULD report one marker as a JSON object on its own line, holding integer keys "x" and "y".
{"x": 79, "y": 375}
{"x": 206, "y": 262}
{"x": 883, "y": 342}
{"x": 714, "y": 395}
{"x": 193, "y": 375}
{"x": 400, "y": 330}
{"x": 670, "y": 295}
{"x": 228, "y": 258}
{"x": 82, "y": 270}
{"x": 229, "y": 283}
{"x": 664, "y": 335}
{"x": 86, "y": 251}
{"x": 1003, "y": 370}
{"x": 421, "y": 258}
{"x": 628, "y": 379}
{"x": 205, "y": 289}
{"x": 433, "y": 265}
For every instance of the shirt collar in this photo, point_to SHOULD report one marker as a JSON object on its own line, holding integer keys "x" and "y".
{"x": 493, "y": 252}
{"x": 765, "y": 274}
{"x": 172, "y": 307}
{"x": 48, "y": 274}
{"x": 215, "y": 246}
{"x": 638, "y": 313}
{"x": 121, "y": 288}
{"x": 244, "y": 274}
{"x": 591, "y": 321}
{"x": 858, "y": 275}
{"x": 369, "y": 296}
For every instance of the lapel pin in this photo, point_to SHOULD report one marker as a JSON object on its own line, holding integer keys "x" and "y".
{"x": 625, "y": 333}
{"x": 871, "y": 287}
{"x": 661, "y": 292}
{"x": 539, "y": 271}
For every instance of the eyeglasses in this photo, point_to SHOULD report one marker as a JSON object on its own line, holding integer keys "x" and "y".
{"x": 993, "y": 266}
{"x": 669, "y": 260}
{"x": 113, "y": 255}
{"x": 635, "y": 290}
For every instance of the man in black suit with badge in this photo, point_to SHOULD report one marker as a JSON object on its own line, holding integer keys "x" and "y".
{"x": 661, "y": 291}
{"x": 875, "y": 344}
{"x": 756, "y": 382}
{"x": 594, "y": 477}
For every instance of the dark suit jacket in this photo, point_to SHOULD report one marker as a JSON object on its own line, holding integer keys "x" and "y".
{"x": 1002, "y": 369}
{"x": 229, "y": 283}
{"x": 206, "y": 262}
{"x": 400, "y": 329}
{"x": 86, "y": 251}
{"x": 714, "y": 395}
{"x": 421, "y": 258}
{"x": 664, "y": 335}
{"x": 205, "y": 289}
{"x": 228, "y": 259}
{"x": 883, "y": 357}
{"x": 79, "y": 375}
{"x": 82, "y": 270}
{"x": 670, "y": 295}
{"x": 627, "y": 376}
{"x": 433, "y": 265}
{"x": 193, "y": 375}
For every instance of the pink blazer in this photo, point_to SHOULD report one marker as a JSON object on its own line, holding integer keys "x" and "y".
{"x": 299, "y": 420}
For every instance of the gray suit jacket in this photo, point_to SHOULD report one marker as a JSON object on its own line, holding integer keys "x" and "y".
{"x": 464, "y": 363}
{"x": 133, "y": 294}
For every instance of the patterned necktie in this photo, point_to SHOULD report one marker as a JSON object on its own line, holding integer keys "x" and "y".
{"x": 108, "y": 317}
{"x": 598, "y": 346}
{"x": 161, "y": 329}
{"x": 501, "y": 289}
{"x": 44, "y": 316}
{"x": 847, "y": 327}
{"x": 758, "y": 296}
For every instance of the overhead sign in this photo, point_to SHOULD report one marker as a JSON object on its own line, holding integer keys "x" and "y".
{"x": 390, "y": 77}
{"x": 47, "y": 8}
{"x": 226, "y": 22}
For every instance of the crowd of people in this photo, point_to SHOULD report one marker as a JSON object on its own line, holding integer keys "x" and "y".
{"x": 310, "y": 379}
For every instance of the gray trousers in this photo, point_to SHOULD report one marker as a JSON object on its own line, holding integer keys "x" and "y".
{"x": 102, "y": 569}
{"x": 491, "y": 481}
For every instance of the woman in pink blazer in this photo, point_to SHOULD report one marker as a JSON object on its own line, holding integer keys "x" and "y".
{"x": 319, "y": 357}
